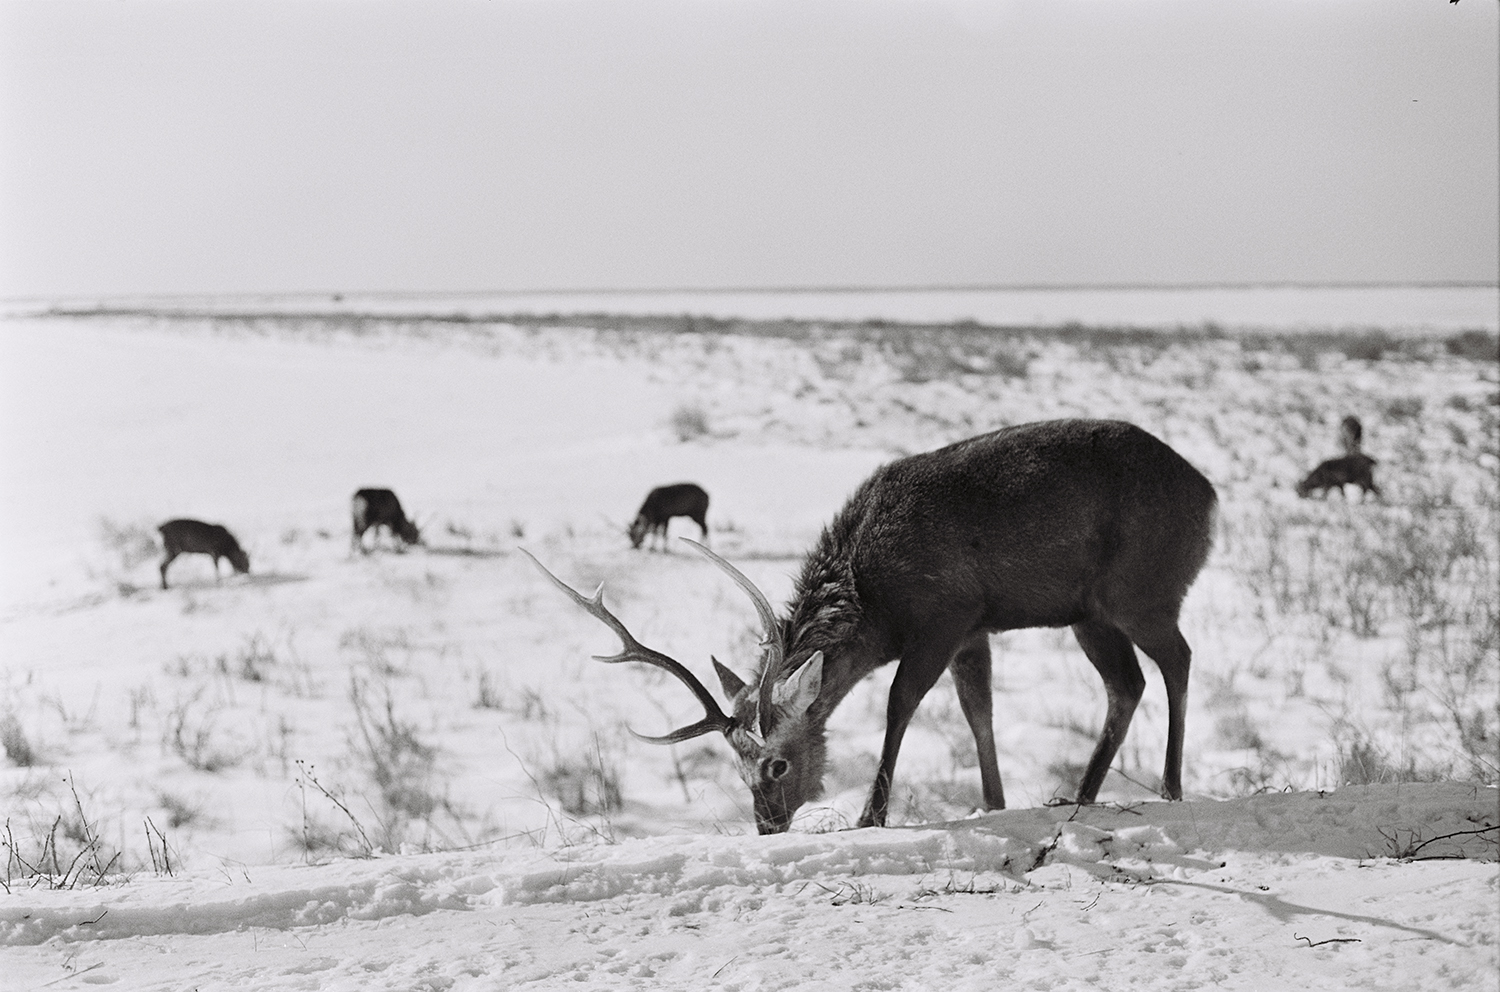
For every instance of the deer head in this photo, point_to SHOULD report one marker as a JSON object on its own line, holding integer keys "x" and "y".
{"x": 779, "y": 744}
{"x": 410, "y": 530}
{"x": 637, "y": 530}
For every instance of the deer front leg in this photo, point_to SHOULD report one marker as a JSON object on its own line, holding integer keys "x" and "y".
{"x": 917, "y": 674}
{"x": 971, "y": 677}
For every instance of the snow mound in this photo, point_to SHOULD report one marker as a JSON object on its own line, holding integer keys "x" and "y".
{"x": 1149, "y": 842}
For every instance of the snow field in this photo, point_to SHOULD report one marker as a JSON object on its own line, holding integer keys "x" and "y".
{"x": 416, "y": 705}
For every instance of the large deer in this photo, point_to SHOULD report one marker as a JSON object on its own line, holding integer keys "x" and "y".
{"x": 1091, "y": 524}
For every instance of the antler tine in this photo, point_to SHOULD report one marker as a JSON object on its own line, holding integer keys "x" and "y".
{"x": 636, "y": 651}
{"x": 770, "y": 640}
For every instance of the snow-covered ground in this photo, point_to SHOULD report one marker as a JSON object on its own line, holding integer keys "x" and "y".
{"x": 1275, "y": 892}
{"x": 438, "y": 708}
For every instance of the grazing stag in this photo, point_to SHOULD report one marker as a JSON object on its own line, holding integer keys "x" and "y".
{"x": 1091, "y": 524}
{"x": 184, "y": 537}
{"x": 1338, "y": 473}
{"x": 376, "y": 508}
{"x": 665, "y": 502}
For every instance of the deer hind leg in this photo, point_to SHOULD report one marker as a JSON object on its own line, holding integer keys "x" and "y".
{"x": 1165, "y": 645}
{"x": 918, "y": 672}
{"x": 1110, "y": 653}
{"x": 971, "y": 676}
{"x": 171, "y": 556}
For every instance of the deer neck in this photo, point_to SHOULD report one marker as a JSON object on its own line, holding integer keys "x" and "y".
{"x": 827, "y": 615}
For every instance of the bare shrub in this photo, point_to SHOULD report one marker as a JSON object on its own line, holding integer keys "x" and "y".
{"x": 18, "y": 749}
{"x": 689, "y": 422}
{"x": 1361, "y": 761}
{"x": 489, "y": 695}
{"x": 192, "y": 734}
{"x": 1476, "y": 345}
{"x": 1009, "y": 362}
{"x": 918, "y": 364}
{"x": 156, "y": 843}
{"x": 77, "y": 720}
{"x": 1238, "y": 732}
{"x": 702, "y": 762}
{"x": 141, "y": 698}
{"x": 59, "y": 851}
{"x": 255, "y": 658}
{"x": 132, "y": 543}
{"x": 402, "y": 766}
{"x": 180, "y": 812}
{"x": 398, "y": 760}
{"x": 1403, "y": 408}
{"x": 383, "y": 653}
{"x": 584, "y": 783}
{"x": 1369, "y": 346}
{"x": 1267, "y": 772}
{"x": 530, "y": 704}
{"x": 315, "y": 836}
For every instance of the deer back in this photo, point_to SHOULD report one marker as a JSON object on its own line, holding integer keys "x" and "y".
{"x": 1038, "y": 525}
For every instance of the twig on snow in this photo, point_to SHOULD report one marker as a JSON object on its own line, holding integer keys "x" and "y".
{"x": 1330, "y": 940}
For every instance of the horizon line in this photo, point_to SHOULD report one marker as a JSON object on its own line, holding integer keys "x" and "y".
{"x": 836, "y": 289}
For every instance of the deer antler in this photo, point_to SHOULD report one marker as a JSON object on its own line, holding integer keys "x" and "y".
{"x": 635, "y": 651}
{"x": 770, "y": 637}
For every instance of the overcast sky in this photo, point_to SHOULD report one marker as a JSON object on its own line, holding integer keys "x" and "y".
{"x": 231, "y": 146}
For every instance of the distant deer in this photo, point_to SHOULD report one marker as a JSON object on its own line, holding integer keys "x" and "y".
{"x": 183, "y": 537}
{"x": 662, "y": 504}
{"x": 1354, "y": 468}
{"x": 1336, "y": 473}
{"x": 376, "y": 508}
{"x": 1091, "y": 524}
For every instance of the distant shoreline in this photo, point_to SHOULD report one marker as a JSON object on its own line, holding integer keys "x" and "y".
{"x": 1406, "y": 309}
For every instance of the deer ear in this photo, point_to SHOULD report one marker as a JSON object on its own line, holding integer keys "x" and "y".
{"x": 801, "y": 688}
{"x": 732, "y": 684}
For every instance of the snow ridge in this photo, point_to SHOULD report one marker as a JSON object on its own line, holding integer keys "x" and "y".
{"x": 1150, "y": 842}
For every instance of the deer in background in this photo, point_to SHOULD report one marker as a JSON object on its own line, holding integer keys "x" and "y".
{"x": 1355, "y": 467}
{"x": 376, "y": 508}
{"x": 181, "y": 537}
{"x": 1094, "y": 525}
{"x": 683, "y": 499}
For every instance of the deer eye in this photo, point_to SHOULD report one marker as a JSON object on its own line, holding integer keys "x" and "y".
{"x": 777, "y": 768}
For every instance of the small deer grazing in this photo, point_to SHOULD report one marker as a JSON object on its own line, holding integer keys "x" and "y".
{"x": 662, "y": 504}
{"x": 1354, "y": 468}
{"x": 185, "y": 537}
{"x": 1336, "y": 473}
{"x": 376, "y": 508}
{"x": 1096, "y": 525}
